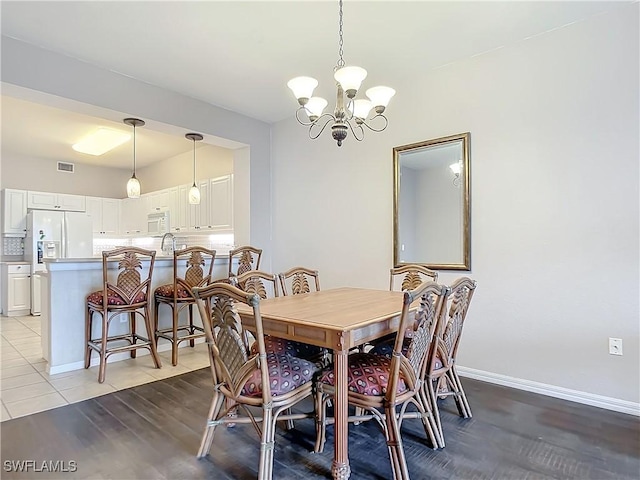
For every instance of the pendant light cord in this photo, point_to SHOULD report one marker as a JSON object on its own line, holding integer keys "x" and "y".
{"x": 134, "y": 150}
{"x": 194, "y": 162}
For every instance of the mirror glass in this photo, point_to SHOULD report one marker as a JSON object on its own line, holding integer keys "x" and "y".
{"x": 431, "y": 213}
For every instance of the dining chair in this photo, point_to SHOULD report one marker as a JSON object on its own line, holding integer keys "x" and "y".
{"x": 124, "y": 291}
{"x": 192, "y": 267}
{"x": 246, "y": 258}
{"x": 442, "y": 379}
{"x": 297, "y": 281}
{"x": 404, "y": 277}
{"x": 263, "y": 284}
{"x": 408, "y": 277}
{"x": 385, "y": 387}
{"x": 269, "y": 382}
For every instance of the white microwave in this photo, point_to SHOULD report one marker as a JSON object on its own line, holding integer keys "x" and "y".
{"x": 158, "y": 223}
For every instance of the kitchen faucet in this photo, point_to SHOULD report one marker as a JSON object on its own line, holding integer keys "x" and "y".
{"x": 173, "y": 242}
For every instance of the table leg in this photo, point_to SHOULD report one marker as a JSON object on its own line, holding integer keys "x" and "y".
{"x": 340, "y": 468}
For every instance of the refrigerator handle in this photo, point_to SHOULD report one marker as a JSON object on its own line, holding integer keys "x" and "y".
{"x": 63, "y": 246}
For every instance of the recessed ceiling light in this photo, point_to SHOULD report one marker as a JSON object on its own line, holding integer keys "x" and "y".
{"x": 101, "y": 141}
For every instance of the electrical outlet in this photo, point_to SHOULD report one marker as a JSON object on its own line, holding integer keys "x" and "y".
{"x": 615, "y": 346}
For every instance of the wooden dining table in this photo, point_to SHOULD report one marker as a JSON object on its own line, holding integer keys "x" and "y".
{"x": 339, "y": 319}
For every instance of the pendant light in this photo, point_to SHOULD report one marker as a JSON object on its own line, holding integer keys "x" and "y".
{"x": 133, "y": 185}
{"x": 194, "y": 193}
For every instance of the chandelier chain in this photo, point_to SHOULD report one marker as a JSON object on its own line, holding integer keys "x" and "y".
{"x": 340, "y": 42}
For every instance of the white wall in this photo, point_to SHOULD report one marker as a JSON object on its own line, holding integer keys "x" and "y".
{"x": 211, "y": 162}
{"x": 30, "y": 173}
{"x": 554, "y": 188}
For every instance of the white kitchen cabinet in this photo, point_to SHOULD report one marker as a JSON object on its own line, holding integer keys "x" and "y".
{"x": 183, "y": 220}
{"x": 159, "y": 201}
{"x": 221, "y": 201}
{"x": 105, "y": 213}
{"x": 134, "y": 215}
{"x": 204, "y": 209}
{"x": 14, "y": 212}
{"x": 16, "y": 289}
{"x": 175, "y": 219}
{"x": 56, "y": 201}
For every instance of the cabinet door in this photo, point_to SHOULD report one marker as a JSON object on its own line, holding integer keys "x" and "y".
{"x": 42, "y": 200}
{"x": 71, "y": 203}
{"x": 174, "y": 209}
{"x": 19, "y": 292}
{"x": 15, "y": 212}
{"x": 221, "y": 193}
{"x": 159, "y": 200}
{"x": 204, "y": 209}
{"x": 94, "y": 208}
{"x": 110, "y": 216}
{"x": 183, "y": 207}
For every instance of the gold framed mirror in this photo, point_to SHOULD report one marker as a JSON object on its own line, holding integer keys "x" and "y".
{"x": 431, "y": 203}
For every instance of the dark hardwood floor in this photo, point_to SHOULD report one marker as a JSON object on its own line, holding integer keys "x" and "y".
{"x": 153, "y": 432}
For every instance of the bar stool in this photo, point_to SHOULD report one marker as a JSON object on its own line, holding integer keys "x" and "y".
{"x": 192, "y": 267}
{"x": 248, "y": 259}
{"x": 129, "y": 294}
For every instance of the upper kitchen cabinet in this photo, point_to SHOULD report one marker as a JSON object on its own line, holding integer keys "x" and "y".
{"x": 14, "y": 212}
{"x": 56, "y": 201}
{"x": 221, "y": 202}
{"x": 134, "y": 215}
{"x": 105, "y": 213}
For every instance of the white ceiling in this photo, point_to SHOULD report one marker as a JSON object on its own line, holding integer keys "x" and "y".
{"x": 239, "y": 55}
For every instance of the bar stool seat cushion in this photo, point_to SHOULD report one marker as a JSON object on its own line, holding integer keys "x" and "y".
{"x": 368, "y": 375}
{"x": 286, "y": 373}
{"x": 114, "y": 298}
{"x": 167, "y": 291}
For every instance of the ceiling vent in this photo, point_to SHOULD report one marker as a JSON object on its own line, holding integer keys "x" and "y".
{"x": 65, "y": 167}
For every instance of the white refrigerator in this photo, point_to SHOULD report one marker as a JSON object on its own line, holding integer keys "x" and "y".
{"x": 53, "y": 234}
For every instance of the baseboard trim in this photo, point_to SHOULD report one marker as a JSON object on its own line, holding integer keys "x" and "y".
{"x": 116, "y": 357}
{"x": 608, "y": 403}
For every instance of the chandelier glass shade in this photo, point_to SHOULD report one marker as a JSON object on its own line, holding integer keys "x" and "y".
{"x": 350, "y": 114}
{"x": 133, "y": 185}
{"x": 194, "y": 192}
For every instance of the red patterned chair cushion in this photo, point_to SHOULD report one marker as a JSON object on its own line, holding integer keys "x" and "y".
{"x": 368, "y": 375}
{"x": 113, "y": 298}
{"x": 167, "y": 291}
{"x": 289, "y": 347}
{"x": 386, "y": 349}
{"x": 285, "y": 374}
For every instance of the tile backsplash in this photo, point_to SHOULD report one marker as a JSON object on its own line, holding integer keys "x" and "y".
{"x": 12, "y": 246}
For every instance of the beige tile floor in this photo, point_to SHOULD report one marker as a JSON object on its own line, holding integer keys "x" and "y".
{"x": 26, "y": 388}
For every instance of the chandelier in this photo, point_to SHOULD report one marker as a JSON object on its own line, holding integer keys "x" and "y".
{"x": 354, "y": 116}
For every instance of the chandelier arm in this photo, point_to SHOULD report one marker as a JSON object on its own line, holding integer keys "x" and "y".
{"x": 330, "y": 118}
{"x": 386, "y": 123}
{"x": 357, "y": 129}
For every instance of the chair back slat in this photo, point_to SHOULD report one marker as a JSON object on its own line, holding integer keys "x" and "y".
{"x": 422, "y": 326}
{"x": 263, "y": 284}
{"x": 450, "y": 332}
{"x": 299, "y": 280}
{"x": 409, "y": 277}
{"x": 248, "y": 258}
{"x": 229, "y": 355}
{"x": 133, "y": 278}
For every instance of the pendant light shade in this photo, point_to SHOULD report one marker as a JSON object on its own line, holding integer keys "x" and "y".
{"x": 133, "y": 185}
{"x": 194, "y": 192}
